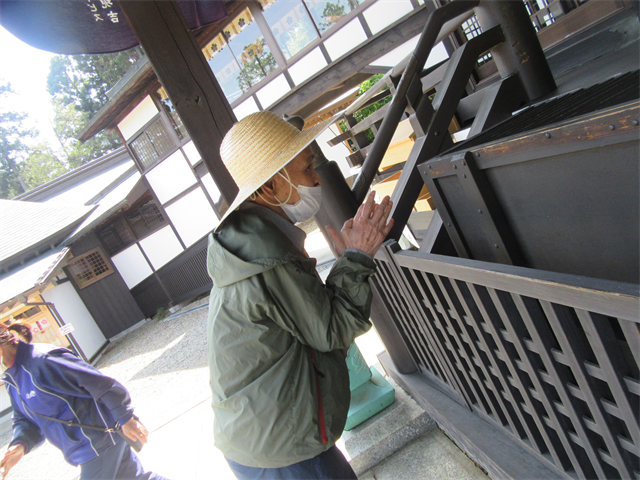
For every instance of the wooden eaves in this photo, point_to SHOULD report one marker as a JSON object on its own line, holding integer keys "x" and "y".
{"x": 140, "y": 81}
{"x": 40, "y": 283}
{"x": 304, "y": 100}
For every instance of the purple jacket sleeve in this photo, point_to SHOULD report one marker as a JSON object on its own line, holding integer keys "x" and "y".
{"x": 65, "y": 373}
{"x": 24, "y": 430}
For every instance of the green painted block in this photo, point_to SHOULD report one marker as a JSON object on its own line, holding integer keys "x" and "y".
{"x": 358, "y": 369}
{"x": 369, "y": 399}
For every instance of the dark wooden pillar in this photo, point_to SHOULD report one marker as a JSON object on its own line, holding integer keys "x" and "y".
{"x": 521, "y": 51}
{"x": 184, "y": 73}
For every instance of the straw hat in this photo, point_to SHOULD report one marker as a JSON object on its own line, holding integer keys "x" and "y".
{"x": 258, "y": 147}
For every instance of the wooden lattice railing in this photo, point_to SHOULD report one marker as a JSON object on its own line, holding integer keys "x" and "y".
{"x": 552, "y": 359}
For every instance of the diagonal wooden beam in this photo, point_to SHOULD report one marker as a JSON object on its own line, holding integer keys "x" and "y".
{"x": 341, "y": 70}
{"x": 444, "y": 104}
{"x": 184, "y": 73}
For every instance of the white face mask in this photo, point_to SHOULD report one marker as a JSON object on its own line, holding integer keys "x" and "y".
{"x": 307, "y": 206}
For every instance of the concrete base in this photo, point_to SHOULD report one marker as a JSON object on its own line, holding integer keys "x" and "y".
{"x": 387, "y": 432}
{"x": 368, "y": 399}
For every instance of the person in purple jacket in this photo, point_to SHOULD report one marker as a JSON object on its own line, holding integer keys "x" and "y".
{"x": 48, "y": 381}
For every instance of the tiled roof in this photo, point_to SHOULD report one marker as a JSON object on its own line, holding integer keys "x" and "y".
{"x": 28, "y": 225}
{"x": 107, "y": 205}
{"x": 90, "y": 188}
{"x": 77, "y": 176}
{"x": 35, "y": 274}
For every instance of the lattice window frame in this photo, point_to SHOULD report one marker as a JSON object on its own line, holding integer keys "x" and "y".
{"x": 135, "y": 234}
{"x": 95, "y": 273}
{"x": 153, "y": 144}
{"x": 121, "y": 234}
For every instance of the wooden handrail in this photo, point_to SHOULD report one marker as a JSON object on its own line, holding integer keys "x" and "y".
{"x": 607, "y": 297}
{"x": 443, "y": 15}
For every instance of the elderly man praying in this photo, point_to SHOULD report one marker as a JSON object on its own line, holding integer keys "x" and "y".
{"x": 276, "y": 333}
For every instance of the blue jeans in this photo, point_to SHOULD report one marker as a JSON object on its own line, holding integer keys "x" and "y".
{"x": 329, "y": 465}
{"x": 117, "y": 462}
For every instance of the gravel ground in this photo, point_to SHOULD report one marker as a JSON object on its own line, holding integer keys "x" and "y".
{"x": 163, "y": 364}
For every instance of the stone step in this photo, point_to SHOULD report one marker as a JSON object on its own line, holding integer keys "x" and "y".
{"x": 387, "y": 432}
{"x": 432, "y": 456}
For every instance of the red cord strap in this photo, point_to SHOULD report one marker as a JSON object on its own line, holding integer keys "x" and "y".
{"x": 323, "y": 427}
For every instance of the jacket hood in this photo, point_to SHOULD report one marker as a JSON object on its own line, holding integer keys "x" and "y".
{"x": 247, "y": 245}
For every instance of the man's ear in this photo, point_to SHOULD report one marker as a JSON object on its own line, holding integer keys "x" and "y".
{"x": 268, "y": 188}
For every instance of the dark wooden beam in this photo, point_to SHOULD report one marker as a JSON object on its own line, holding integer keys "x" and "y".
{"x": 141, "y": 81}
{"x": 469, "y": 106}
{"x": 340, "y": 138}
{"x": 357, "y": 60}
{"x": 521, "y": 51}
{"x": 184, "y": 73}
{"x": 444, "y": 104}
{"x": 500, "y": 101}
{"x": 328, "y": 96}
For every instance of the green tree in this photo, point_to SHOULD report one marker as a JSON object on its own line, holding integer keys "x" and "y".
{"x": 67, "y": 124}
{"x": 13, "y": 147}
{"x": 41, "y": 166}
{"x": 368, "y": 110}
{"x": 84, "y": 80}
{"x": 78, "y": 85}
{"x": 296, "y": 38}
{"x": 331, "y": 14}
{"x": 257, "y": 63}
{"x": 364, "y": 86}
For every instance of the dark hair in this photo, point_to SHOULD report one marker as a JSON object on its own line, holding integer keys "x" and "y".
{"x": 22, "y": 333}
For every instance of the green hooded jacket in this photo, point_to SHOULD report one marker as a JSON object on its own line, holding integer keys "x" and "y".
{"x": 270, "y": 319}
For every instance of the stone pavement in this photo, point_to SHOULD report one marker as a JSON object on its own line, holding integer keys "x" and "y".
{"x": 164, "y": 366}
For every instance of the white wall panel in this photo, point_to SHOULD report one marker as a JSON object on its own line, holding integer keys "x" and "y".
{"x": 161, "y": 247}
{"x": 438, "y": 54}
{"x": 348, "y": 37}
{"x": 304, "y": 68}
{"x": 192, "y": 216}
{"x": 171, "y": 177}
{"x": 212, "y": 188}
{"x": 461, "y": 135}
{"x": 385, "y": 12}
{"x": 72, "y": 310}
{"x": 132, "y": 265}
{"x": 137, "y": 118}
{"x": 247, "y": 107}
{"x": 191, "y": 152}
{"x": 391, "y": 59}
{"x": 273, "y": 91}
